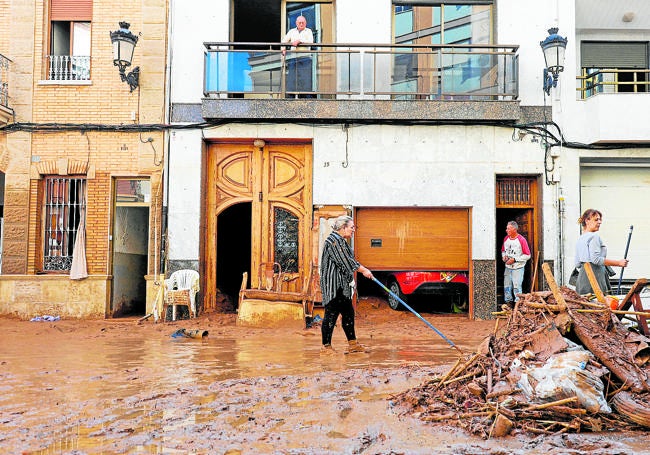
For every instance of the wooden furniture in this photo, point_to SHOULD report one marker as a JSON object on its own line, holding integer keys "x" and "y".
{"x": 266, "y": 303}
{"x": 633, "y": 298}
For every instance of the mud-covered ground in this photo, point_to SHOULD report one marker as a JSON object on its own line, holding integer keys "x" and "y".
{"x": 119, "y": 387}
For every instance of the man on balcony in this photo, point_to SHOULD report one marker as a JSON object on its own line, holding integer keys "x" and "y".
{"x": 299, "y": 70}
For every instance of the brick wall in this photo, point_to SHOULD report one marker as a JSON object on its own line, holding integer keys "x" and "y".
{"x": 106, "y": 100}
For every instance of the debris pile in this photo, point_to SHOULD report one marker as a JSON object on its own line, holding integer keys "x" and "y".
{"x": 555, "y": 363}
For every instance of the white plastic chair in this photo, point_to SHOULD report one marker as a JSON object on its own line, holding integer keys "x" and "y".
{"x": 179, "y": 281}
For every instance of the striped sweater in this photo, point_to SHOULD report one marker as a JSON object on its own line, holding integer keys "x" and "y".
{"x": 337, "y": 268}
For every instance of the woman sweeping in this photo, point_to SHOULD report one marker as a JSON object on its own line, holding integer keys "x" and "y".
{"x": 590, "y": 248}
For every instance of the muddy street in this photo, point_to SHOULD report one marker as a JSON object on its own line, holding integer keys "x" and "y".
{"x": 119, "y": 387}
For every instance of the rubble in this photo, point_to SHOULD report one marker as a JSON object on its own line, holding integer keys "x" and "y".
{"x": 555, "y": 363}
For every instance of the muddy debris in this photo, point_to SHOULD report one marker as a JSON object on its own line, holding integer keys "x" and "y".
{"x": 549, "y": 367}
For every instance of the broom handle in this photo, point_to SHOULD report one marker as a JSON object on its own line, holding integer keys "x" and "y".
{"x": 627, "y": 246}
{"x": 416, "y": 313}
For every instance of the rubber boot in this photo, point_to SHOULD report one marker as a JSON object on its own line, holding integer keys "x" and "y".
{"x": 327, "y": 349}
{"x": 355, "y": 346}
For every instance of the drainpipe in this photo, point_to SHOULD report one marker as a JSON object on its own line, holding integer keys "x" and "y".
{"x": 560, "y": 237}
{"x": 168, "y": 133}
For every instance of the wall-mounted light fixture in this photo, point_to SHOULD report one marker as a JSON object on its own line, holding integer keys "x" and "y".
{"x": 123, "y": 46}
{"x": 259, "y": 143}
{"x": 553, "y": 47}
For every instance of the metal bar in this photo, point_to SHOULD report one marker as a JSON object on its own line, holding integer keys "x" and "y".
{"x": 416, "y": 313}
{"x": 627, "y": 247}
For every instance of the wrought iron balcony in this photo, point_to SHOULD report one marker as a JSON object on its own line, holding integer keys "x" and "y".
{"x": 4, "y": 81}
{"x": 361, "y": 72}
{"x": 6, "y": 112}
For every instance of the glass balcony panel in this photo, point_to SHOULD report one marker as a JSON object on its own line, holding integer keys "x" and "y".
{"x": 404, "y": 72}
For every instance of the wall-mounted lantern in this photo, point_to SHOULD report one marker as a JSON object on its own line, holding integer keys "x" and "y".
{"x": 123, "y": 46}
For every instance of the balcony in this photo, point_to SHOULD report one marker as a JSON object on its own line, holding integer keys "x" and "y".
{"x": 68, "y": 68}
{"x": 613, "y": 81}
{"x": 612, "y": 106}
{"x": 6, "y": 112}
{"x": 356, "y": 81}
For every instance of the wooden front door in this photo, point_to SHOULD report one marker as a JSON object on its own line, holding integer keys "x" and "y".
{"x": 518, "y": 199}
{"x": 275, "y": 180}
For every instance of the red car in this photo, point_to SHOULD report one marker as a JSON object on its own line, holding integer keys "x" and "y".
{"x": 450, "y": 284}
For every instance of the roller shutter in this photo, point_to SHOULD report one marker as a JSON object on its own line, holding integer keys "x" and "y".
{"x": 599, "y": 54}
{"x": 71, "y": 10}
{"x": 390, "y": 238}
{"x": 620, "y": 193}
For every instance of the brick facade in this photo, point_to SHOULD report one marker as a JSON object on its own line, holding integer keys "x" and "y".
{"x": 94, "y": 147}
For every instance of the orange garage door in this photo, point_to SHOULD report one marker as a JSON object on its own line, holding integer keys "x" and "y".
{"x": 407, "y": 238}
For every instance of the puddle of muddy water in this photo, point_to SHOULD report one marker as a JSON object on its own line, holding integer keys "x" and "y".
{"x": 86, "y": 394}
{"x": 136, "y": 394}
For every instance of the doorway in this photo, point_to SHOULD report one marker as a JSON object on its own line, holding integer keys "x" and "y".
{"x": 517, "y": 199}
{"x": 233, "y": 250}
{"x": 256, "y": 210}
{"x": 130, "y": 234}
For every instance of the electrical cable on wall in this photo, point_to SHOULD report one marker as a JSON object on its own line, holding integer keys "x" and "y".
{"x": 539, "y": 129}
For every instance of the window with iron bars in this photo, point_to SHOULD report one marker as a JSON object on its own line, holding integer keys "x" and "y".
{"x": 65, "y": 205}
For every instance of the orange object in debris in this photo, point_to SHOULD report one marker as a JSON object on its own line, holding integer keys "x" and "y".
{"x": 612, "y": 302}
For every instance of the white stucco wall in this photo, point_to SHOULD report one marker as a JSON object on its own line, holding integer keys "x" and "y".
{"x": 526, "y": 23}
{"x": 184, "y": 202}
{"x": 354, "y": 24}
{"x": 193, "y": 23}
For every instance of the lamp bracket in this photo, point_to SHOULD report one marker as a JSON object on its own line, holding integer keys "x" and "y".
{"x": 550, "y": 80}
{"x": 132, "y": 78}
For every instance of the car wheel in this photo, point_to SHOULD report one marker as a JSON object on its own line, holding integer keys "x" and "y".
{"x": 392, "y": 301}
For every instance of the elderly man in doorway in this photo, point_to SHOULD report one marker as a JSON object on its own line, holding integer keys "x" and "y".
{"x": 515, "y": 253}
{"x": 299, "y": 71}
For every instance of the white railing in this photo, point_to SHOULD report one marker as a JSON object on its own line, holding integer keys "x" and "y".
{"x": 68, "y": 68}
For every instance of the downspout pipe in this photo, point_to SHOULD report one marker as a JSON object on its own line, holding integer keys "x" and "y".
{"x": 168, "y": 110}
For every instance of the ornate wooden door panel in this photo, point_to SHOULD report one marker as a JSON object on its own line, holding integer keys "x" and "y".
{"x": 276, "y": 180}
{"x": 285, "y": 200}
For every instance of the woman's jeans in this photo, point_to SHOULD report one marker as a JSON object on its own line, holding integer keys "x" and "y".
{"x": 512, "y": 279}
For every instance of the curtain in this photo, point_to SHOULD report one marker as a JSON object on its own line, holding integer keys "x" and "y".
{"x": 79, "y": 269}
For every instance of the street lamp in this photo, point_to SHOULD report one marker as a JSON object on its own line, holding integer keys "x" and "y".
{"x": 553, "y": 47}
{"x": 123, "y": 46}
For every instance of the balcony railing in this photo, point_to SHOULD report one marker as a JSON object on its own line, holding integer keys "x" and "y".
{"x": 361, "y": 71}
{"x": 68, "y": 68}
{"x": 595, "y": 81}
{"x": 4, "y": 81}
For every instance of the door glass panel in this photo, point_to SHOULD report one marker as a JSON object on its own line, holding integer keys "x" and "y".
{"x": 286, "y": 239}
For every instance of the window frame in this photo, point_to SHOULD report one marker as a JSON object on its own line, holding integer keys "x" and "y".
{"x": 69, "y": 66}
{"x": 64, "y": 210}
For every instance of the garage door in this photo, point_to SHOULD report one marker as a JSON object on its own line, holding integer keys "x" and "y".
{"x": 389, "y": 238}
{"x": 621, "y": 194}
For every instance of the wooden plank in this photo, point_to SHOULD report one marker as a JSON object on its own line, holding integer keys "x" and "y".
{"x": 533, "y": 285}
{"x": 550, "y": 279}
{"x": 636, "y": 288}
{"x": 594, "y": 283}
{"x": 633, "y": 298}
